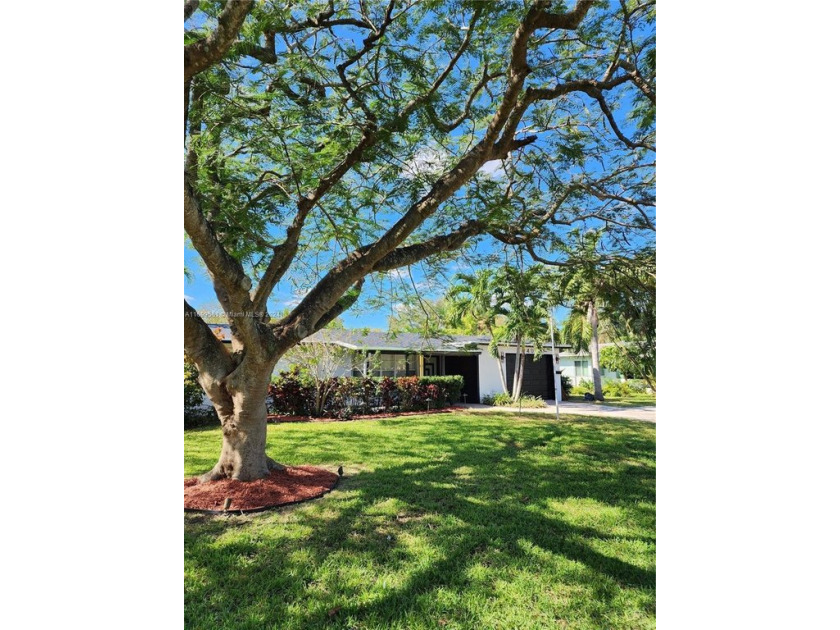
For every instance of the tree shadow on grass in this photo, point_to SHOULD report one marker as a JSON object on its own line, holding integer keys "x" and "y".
{"x": 447, "y": 511}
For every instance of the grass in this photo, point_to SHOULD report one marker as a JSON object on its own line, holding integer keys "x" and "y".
{"x": 448, "y": 521}
{"x": 635, "y": 400}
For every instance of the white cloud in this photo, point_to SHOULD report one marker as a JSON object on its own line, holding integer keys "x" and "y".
{"x": 188, "y": 298}
{"x": 427, "y": 161}
{"x": 396, "y": 274}
{"x": 493, "y": 169}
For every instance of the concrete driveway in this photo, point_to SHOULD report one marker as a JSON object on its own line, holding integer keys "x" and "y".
{"x": 647, "y": 413}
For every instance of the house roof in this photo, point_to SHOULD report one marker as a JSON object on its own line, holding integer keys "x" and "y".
{"x": 362, "y": 339}
{"x": 222, "y": 331}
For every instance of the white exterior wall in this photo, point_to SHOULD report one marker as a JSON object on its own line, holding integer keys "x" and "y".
{"x": 567, "y": 364}
{"x": 489, "y": 381}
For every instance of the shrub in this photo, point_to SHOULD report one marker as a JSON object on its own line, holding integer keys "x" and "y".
{"x": 389, "y": 393}
{"x": 565, "y": 387}
{"x": 504, "y": 400}
{"x": 291, "y": 393}
{"x": 499, "y": 399}
{"x": 354, "y": 395}
{"x": 582, "y": 388}
{"x": 638, "y": 386}
{"x": 193, "y": 394}
{"x": 616, "y": 389}
{"x": 195, "y": 415}
{"x": 448, "y": 388}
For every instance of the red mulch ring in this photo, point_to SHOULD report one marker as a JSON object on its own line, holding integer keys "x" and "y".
{"x": 293, "y": 485}
{"x": 274, "y": 418}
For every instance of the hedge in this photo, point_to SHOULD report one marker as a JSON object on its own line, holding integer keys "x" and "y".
{"x": 293, "y": 394}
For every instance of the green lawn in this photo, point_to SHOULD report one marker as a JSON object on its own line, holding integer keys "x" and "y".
{"x": 636, "y": 400}
{"x": 443, "y": 521}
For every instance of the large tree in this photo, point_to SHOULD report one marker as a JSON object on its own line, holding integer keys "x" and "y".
{"x": 329, "y": 143}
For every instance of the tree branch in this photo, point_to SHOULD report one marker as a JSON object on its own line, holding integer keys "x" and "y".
{"x": 348, "y": 300}
{"x": 410, "y": 254}
{"x": 568, "y": 21}
{"x": 189, "y": 8}
{"x": 202, "y": 347}
{"x": 415, "y": 103}
{"x": 224, "y": 267}
{"x": 637, "y": 78}
{"x": 598, "y": 95}
{"x": 360, "y": 262}
{"x": 202, "y": 54}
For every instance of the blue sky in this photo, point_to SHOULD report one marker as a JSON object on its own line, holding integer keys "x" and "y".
{"x": 198, "y": 291}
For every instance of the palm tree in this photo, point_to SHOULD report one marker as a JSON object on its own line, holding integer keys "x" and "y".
{"x": 580, "y": 287}
{"x": 581, "y": 330}
{"x": 521, "y": 299}
{"x": 472, "y": 307}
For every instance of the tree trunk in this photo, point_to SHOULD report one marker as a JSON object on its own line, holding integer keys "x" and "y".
{"x": 502, "y": 374}
{"x": 594, "y": 351}
{"x": 240, "y": 403}
{"x": 517, "y": 375}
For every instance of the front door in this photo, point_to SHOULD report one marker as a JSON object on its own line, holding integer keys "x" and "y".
{"x": 430, "y": 366}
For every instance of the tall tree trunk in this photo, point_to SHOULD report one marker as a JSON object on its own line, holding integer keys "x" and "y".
{"x": 594, "y": 350}
{"x": 517, "y": 375}
{"x": 240, "y": 403}
{"x": 502, "y": 374}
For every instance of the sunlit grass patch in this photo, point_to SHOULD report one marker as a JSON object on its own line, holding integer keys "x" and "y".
{"x": 456, "y": 521}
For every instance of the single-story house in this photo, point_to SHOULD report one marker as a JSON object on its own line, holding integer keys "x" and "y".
{"x": 410, "y": 354}
{"x": 578, "y": 367}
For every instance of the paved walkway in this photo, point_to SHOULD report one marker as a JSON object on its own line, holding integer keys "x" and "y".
{"x": 647, "y": 413}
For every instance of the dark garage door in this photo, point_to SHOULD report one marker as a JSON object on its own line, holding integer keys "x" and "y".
{"x": 538, "y": 379}
{"x": 466, "y": 366}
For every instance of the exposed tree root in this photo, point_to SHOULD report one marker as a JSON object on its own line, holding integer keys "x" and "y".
{"x": 272, "y": 465}
{"x": 220, "y": 471}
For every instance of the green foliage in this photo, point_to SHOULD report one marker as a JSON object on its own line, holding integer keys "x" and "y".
{"x": 499, "y": 399}
{"x": 432, "y": 319}
{"x": 612, "y": 388}
{"x": 632, "y": 322}
{"x": 505, "y": 400}
{"x": 617, "y": 389}
{"x": 583, "y": 387}
{"x": 193, "y": 394}
{"x": 262, "y": 134}
{"x": 616, "y": 360}
{"x": 450, "y": 386}
{"x": 565, "y": 386}
{"x": 294, "y": 393}
{"x": 194, "y": 414}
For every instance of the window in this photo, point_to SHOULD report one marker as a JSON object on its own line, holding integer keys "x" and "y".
{"x": 393, "y": 365}
{"x": 582, "y": 368}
